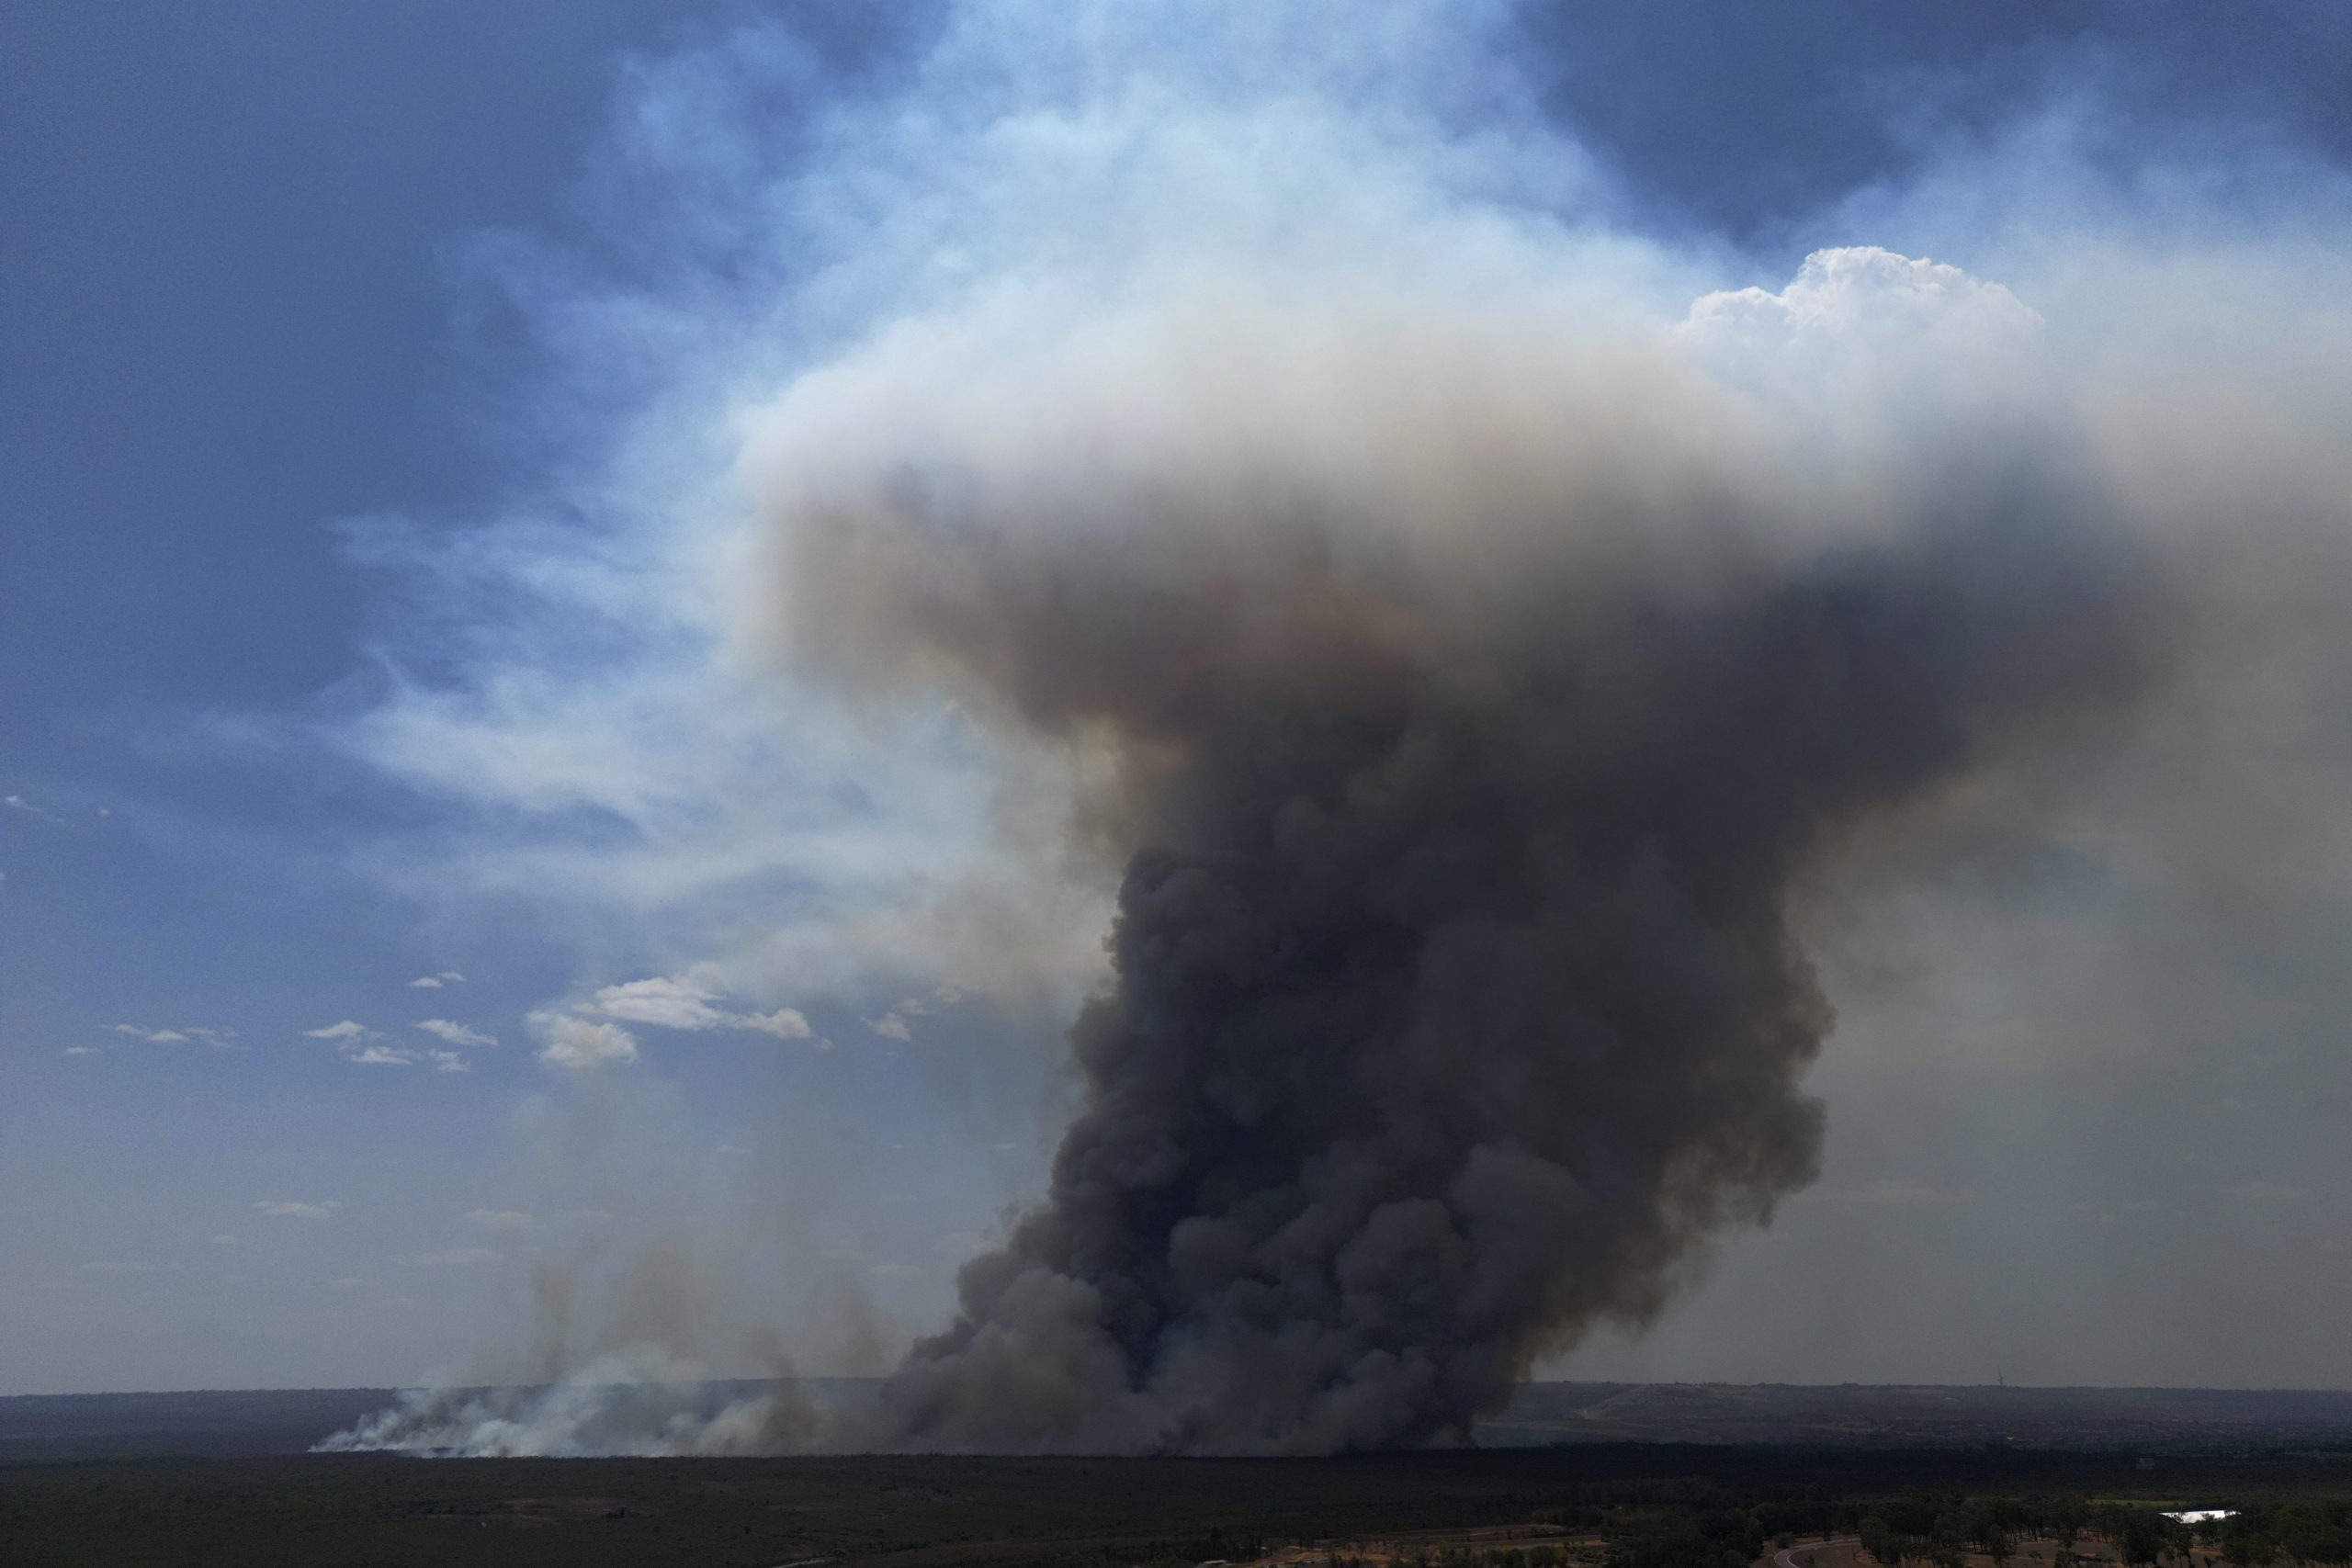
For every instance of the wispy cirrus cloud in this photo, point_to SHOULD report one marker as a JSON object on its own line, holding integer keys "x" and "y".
{"x": 208, "y": 1035}
{"x": 456, "y": 1033}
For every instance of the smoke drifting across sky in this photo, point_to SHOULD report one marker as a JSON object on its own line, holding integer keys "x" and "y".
{"x": 1462, "y": 650}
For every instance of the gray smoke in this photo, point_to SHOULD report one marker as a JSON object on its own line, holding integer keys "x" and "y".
{"x": 1461, "y": 793}
{"x": 1467, "y": 664}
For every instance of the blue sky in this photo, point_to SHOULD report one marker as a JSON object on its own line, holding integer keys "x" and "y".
{"x": 372, "y": 613}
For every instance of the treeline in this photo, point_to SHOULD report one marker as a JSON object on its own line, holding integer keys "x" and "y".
{"x": 2313, "y": 1529}
{"x": 1938, "y": 1531}
{"x": 1695, "y": 1525}
{"x": 1691, "y": 1522}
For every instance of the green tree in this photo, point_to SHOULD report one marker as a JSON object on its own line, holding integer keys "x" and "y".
{"x": 2139, "y": 1535}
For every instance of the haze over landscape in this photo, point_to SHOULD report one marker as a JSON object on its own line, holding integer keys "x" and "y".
{"x": 1187, "y": 727}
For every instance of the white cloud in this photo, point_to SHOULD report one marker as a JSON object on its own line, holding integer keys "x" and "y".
{"x": 890, "y": 1026}
{"x": 677, "y": 1003}
{"x": 689, "y": 1001}
{"x": 18, "y": 803}
{"x": 450, "y": 1062}
{"x": 579, "y": 1043}
{"x": 426, "y": 983}
{"x": 280, "y": 1209}
{"x": 380, "y": 1056}
{"x": 500, "y": 1219}
{"x": 81, "y": 1050}
{"x": 456, "y": 1033}
{"x": 346, "y": 1030}
{"x": 179, "y": 1036}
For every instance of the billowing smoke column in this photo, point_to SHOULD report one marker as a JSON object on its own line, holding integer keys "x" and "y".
{"x": 1467, "y": 658}
{"x": 1467, "y": 691}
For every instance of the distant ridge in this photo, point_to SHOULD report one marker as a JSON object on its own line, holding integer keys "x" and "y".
{"x": 1925, "y": 1416}
{"x": 210, "y": 1423}
{"x": 37, "y": 1428}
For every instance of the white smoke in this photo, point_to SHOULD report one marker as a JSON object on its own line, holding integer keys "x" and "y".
{"x": 1175, "y": 258}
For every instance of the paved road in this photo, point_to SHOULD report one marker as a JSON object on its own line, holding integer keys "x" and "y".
{"x": 1788, "y": 1558}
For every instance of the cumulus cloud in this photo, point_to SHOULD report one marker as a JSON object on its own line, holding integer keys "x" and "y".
{"x": 81, "y": 1050}
{"x": 448, "y": 1062}
{"x": 346, "y": 1030}
{"x": 689, "y": 1002}
{"x": 284, "y": 1209}
{"x": 784, "y": 1023}
{"x": 380, "y": 1056}
{"x": 570, "y": 1041}
{"x": 671, "y": 1003}
{"x": 434, "y": 982}
{"x": 456, "y": 1033}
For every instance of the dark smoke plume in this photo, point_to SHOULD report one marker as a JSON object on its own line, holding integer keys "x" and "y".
{"x": 1455, "y": 1003}
{"x": 1473, "y": 640}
